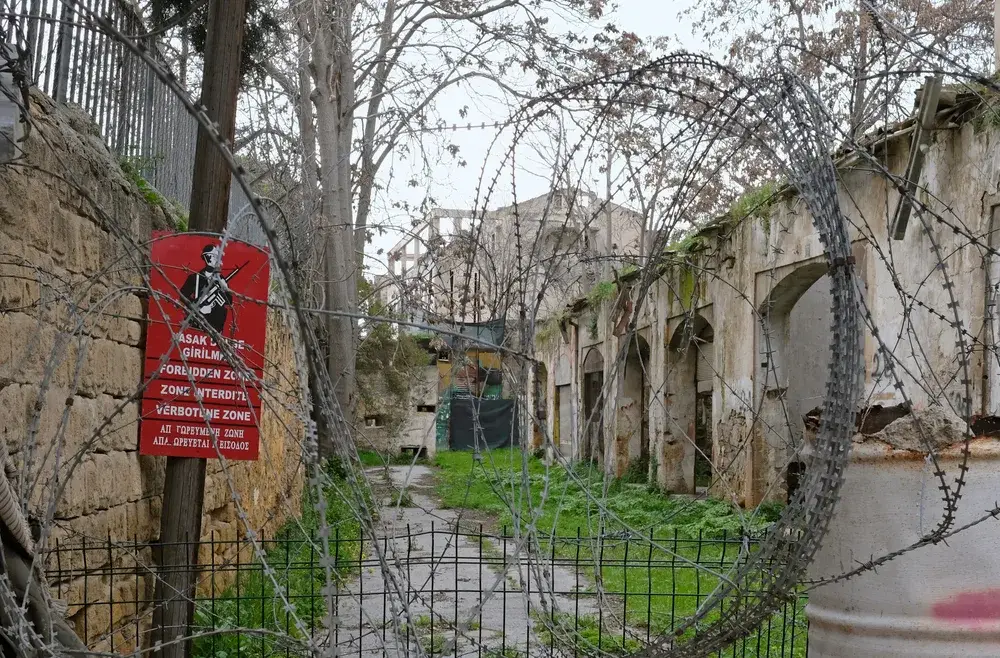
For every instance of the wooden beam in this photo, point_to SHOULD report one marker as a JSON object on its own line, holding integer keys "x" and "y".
{"x": 919, "y": 143}
{"x": 184, "y": 485}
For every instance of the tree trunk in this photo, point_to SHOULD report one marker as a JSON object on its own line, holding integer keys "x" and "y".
{"x": 860, "y": 75}
{"x": 310, "y": 167}
{"x": 334, "y": 101}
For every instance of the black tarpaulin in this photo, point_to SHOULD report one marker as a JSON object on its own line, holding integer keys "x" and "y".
{"x": 483, "y": 423}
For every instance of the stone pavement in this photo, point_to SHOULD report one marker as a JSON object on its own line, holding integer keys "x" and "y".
{"x": 451, "y": 576}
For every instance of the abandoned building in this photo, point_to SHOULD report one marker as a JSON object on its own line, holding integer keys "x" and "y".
{"x": 461, "y": 266}
{"x": 722, "y": 379}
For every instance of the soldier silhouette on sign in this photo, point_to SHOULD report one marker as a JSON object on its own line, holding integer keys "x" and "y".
{"x": 208, "y": 291}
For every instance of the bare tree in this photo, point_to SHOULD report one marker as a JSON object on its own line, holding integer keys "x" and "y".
{"x": 857, "y": 65}
{"x": 375, "y": 74}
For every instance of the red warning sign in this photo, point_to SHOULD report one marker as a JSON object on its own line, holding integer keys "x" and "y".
{"x": 204, "y": 347}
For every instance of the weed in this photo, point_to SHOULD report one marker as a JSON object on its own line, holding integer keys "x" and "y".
{"x": 637, "y": 471}
{"x": 601, "y": 292}
{"x": 296, "y": 577}
{"x": 690, "y": 530}
{"x": 433, "y": 644}
{"x": 509, "y": 652}
{"x": 132, "y": 168}
{"x": 404, "y": 499}
{"x": 585, "y": 634}
{"x": 756, "y": 203}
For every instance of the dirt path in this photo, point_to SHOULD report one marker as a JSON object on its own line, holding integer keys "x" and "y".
{"x": 441, "y": 577}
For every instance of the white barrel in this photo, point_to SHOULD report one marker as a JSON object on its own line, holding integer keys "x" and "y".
{"x": 937, "y": 601}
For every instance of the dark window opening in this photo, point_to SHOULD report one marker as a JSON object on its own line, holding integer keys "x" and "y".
{"x": 796, "y": 470}
{"x": 374, "y": 421}
{"x": 427, "y": 408}
{"x": 703, "y": 440}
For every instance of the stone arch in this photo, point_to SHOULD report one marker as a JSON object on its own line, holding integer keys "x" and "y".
{"x": 688, "y": 452}
{"x": 793, "y": 341}
{"x": 593, "y": 406}
{"x": 633, "y": 404}
{"x": 774, "y": 313}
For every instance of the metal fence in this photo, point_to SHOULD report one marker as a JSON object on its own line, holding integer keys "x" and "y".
{"x": 465, "y": 592}
{"x": 74, "y": 62}
{"x": 138, "y": 116}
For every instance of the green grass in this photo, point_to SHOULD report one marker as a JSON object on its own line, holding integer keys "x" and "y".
{"x": 257, "y": 600}
{"x": 706, "y": 532}
{"x": 587, "y": 632}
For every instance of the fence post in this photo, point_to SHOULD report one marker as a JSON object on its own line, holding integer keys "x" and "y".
{"x": 64, "y": 51}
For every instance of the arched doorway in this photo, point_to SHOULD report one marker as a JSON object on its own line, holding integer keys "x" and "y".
{"x": 563, "y": 433}
{"x": 704, "y": 348}
{"x": 541, "y": 400}
{"x": 593, "y": 406}
{"x": 634, "y": 402}
{"x": 794, "y": 347}
{"x": 688, "y": 450}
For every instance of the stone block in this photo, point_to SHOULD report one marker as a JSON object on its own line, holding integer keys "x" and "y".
{"x": 134, "y": 521}
{"x": 15, "y": 402}
{"x": 122, "y": 418}
{"x": 110, "y": 368}
{"x": 36, "y": 217}
{"x": 61, "y": 431}
{"x": 88, "y": 252}
{"x": 19, "y": 287}
{"x": 61, "y": 226}
{"x": 29, "y": 348}
{"x": 99, "y": 482}
{"x": 153, "y": 471}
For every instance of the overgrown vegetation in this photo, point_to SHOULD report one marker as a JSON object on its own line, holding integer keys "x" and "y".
{"x": 601, "y": 292}
{"x": 388, "y": 363}
{"x": 707, "y": 531}
{"x": 690, "y": 243}
{"x": 132, "y": 168}
{"x": 495, "y": 486}
{"x": 586, "y": 633}
{"x": 550, "y": 331}
{"x": 755, "y": 203}
{"x": 255, "y": 600}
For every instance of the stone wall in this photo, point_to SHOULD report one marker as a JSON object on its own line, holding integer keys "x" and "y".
{"x": 417, "y": 429}
{"x": 73, "y": 230}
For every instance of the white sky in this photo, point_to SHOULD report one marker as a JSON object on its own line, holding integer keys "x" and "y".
{"x": 453, "y": 186}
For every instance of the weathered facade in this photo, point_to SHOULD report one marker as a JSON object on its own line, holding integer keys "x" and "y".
{"x": 726, "y": 368}
{"x": 74, "y": 232}
{"x": 560, "y": 240}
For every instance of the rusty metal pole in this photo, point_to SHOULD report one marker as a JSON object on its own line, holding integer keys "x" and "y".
{"x": 184, "y": 486}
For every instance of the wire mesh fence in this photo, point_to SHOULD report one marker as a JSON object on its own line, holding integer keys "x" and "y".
{"x": 451, "y": 590}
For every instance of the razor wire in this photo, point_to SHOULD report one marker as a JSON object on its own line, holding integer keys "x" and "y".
{"x": 799, "y": 133}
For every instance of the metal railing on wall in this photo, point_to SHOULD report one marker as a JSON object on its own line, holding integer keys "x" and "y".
{"x": 137, "y": 115}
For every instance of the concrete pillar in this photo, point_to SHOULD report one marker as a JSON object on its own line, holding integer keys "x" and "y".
{"x": 614, "y": 381}
{"x": 657, "y": 400}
